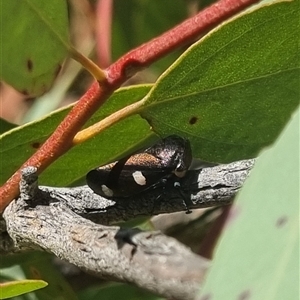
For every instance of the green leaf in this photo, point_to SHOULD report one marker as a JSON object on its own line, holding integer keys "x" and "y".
{"x": 20, "y": 287}
{"x": 6, "y": 126}
{"x": 233, "y": 91}
{"x": 258, "y": 256}
{"x": 131, "y": 28}
{"x": 17, "y": 145}
{"x": 38, "y": 266}
{"x": 34, "y": 42}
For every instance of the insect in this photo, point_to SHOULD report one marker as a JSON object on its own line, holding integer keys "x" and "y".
{"x": 169, "y": 159}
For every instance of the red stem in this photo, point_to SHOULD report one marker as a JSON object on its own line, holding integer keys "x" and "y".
{"x": 178, "y": 36}
{"x": 61, "y": 139}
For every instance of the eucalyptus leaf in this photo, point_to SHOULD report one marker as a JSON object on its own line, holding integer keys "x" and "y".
{"x": 20, "y": 287}
{"x": 232, "y": 92}
{"x": 37, "y": 265}
{"x": 258, "y": 256}
{"x": 6, "y": 126}
{"x": 34, "y": 43}
{"x": 131, "y": 27}
{"x": 17, "y": 145}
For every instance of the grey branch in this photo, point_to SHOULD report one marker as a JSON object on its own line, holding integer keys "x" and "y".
{"x": 66, "y": 222}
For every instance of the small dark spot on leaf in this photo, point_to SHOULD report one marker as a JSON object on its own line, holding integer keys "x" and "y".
{"x": 281, "y": 221}
{"x": 206, "y": 297}
{"x": 29, "y": 65}
{"x": 245, "y": 295}
{"x": 193, "y": 120}
{"x": 35, "y": 145}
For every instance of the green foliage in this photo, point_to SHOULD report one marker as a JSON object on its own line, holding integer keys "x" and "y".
{"x": 34, "y": 42}
{"x": 134, "y": 25}
{"x": 46, "y": 282}
{"x": 6, "y": 126}
{"x": 20, "y": 143}
{"x": 233, "y": 91}
{"x": 16, "y": 288}
{"x": 229, "y": 96}
{"x": 258, "y": 255}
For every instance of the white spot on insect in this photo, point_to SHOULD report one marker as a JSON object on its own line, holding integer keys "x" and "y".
{"x": 139, "y": 178}
{"x": 176, "y": 184}
{"x": 107, "y": 191}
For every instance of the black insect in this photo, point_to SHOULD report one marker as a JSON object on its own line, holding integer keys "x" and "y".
{"x": 166, "y": 161}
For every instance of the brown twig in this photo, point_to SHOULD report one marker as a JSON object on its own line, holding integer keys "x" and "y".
{"x": 62, "y": 138}
{"x": 150, "y": 260}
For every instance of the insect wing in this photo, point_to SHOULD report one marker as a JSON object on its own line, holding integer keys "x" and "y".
{"x": 135, "y": 181}
{"x": 140, "y": 172}
{"x": 110, "y": 181}
{"x": 134, "y": 174}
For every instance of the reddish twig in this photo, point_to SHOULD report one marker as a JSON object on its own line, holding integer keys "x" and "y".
{"x": 62, "y": 138}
